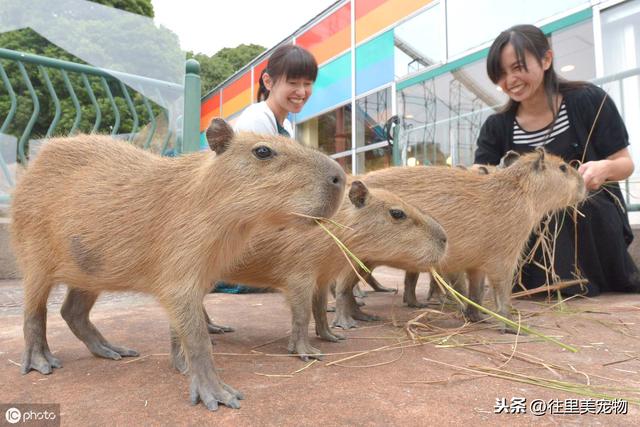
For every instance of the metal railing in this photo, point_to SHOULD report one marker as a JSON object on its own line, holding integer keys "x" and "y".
{"x": 103, "y": 88}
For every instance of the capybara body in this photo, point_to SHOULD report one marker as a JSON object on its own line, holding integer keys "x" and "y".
{"x": 97, "y": 214}
{"x": 303, "y": 263}
{"x": 487, "y": 218}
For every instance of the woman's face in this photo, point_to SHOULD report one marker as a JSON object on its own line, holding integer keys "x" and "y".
{"x": 289, "y": 94}
{"x": 520, "y": 84}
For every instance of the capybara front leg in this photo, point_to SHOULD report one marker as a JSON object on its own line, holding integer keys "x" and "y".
{"x": 345, "y": 303}
{"x": 476, "y": 294}
{"x": 409, "y": 296}
{"x": 502, "y": 292}
{"x": 188, "y": 321}
{"x": 320, "y": 316}
{"x": 214, "y": 328}
{"x": 36, "y": 353}
{"x": 300, "y": 300}
{"x": 75, "y": 311}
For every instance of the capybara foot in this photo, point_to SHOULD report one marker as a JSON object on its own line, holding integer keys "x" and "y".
{"x": 40, "y": 360}
{"x": 110, "y": 351}
{"x": 305, "y": 350}
{"x": 365, "y": 317}
{"x": 360, "y": 303}
{"x": 473, "y": 315}
{"x": 381, "y": 288}
{"x": 331, "y": 336}
{"x": 416, "y": 304}
{"x": 344, "y": 322}
{"x": 213, "y": 393}
{"x": 357, "y": 292}
{"x": 214, "y": 328}
{"x": 179, "y": 363}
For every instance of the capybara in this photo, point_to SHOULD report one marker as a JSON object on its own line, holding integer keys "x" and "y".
{"x": 99, "y": 215}
{"x": 487, "y": 218}
{"x": 303, "y": 263}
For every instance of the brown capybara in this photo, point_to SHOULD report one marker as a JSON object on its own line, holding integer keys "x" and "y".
{"x": 99, "y": 215}
{"x": 487, "y": 218}
{"x": 303, "y": 263}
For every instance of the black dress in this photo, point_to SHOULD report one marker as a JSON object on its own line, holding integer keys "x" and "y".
{"x": 604, "y": 234}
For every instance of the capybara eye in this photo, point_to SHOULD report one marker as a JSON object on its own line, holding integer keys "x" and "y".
{"x": 397, "y": 214}
{"x": 263, "y": 152}
{"x": 563, "y": 168}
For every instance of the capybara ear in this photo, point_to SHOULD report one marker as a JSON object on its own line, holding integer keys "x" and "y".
{"x": 539, "y": 163}
{"x": 508, "y": 159}
{"x": 482, "y": 170}
{"x": 358, "y": 194}
{"x": 219, "y": 135}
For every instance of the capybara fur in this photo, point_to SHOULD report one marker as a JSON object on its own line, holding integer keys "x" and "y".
{"x": 487, "y": 218}
{"x": 97, "y": 214}
{"x": 303, "y": 263}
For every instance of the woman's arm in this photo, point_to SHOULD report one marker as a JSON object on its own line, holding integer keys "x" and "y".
{"x": 615, "y": 167}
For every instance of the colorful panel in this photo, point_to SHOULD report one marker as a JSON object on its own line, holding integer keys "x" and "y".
{"x": 209, "y": 109}
{"x": 329, "y": 37}
{"x": 374, "y": 63}
{"x": 237, "y": 95}
{"x": 332, "y": 87}
{"x": 373, "y": 16}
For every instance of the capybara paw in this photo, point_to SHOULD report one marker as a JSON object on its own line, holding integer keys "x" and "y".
{"x": 179, "y": 363}
{"x": 110, "y": 351}
{"x": 214, "y": 328}
{"x": 305, "y": 351}
{"x": 360, "y": 303}
{"x": 331, "y": 336}
{"x": 360, "y": 315}
{"x": 416, "y": 304}
{"x": 345, "y": 322}
{"x": 385, "y": 289}
{"x": 473, "y": 315}
{"x": 40, "y": 360}
{"x": 212, "y": 394}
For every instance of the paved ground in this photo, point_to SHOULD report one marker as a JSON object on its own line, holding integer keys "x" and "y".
{"x": 395, "y": 387}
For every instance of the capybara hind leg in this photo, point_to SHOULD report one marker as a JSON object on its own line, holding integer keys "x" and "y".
{"x": 476, "y": 294}
{"x": 75, "y": 311}
{"x": 371, "y": 281}
{"x": 214, "y": 328}
{"x": 36, "y": 353}
{"x": 320, "y": 316}
{"x": 502, "y": 294}
{"x": 190, "y": 327}
{"x": 178, "y": 360}
{"x": 410, "y": 281}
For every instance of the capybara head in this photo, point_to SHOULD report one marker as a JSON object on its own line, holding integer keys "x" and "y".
{"x": 297, "y": 179}
{"x": 552, "y": 182}
{"x": 390, "y": 231}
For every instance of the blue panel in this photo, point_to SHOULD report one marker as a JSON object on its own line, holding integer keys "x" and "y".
{"x": 375, "y": 75}
{"x": 324, "y": 98}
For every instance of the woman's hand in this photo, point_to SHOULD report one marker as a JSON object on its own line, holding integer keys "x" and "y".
{"x": 616, "y": 167}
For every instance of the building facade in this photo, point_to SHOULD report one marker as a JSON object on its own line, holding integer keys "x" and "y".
{"x": 424, "y": 62}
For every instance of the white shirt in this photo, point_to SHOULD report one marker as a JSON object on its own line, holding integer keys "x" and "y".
{"x": 259, "y": 118}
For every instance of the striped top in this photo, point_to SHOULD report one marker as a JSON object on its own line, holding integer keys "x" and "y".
{"x": 544, "y": 136}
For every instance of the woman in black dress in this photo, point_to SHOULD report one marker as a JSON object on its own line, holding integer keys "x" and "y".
{"x": 580, "y": 123}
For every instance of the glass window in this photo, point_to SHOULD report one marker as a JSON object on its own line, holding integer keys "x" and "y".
{"x": 472, "y": 23}
{"x": 372, "y": 112}
{"x": 345, "y": 162}
{"x": 419, "y": 42}
{"x": 329, "y": 132}
{"x": 440, "y": 118}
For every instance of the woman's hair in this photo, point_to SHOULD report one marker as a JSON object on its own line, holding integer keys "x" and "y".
{"x": 528, "y": 38}
{"x": 290, "y": 62}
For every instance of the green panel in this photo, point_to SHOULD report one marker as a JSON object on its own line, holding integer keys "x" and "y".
{"x": 560, "y": 24}
{"x": 334, "y": 71}
{"x": 375, "y": 50}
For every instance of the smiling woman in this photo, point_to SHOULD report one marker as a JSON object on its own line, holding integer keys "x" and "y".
{"x": 285, "y": 86}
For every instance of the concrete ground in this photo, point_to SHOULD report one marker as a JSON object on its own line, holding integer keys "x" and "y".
{"x": 400, "y": 385}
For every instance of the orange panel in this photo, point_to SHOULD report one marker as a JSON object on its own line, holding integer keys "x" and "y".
{"x": 235, "y": 104}
{"x": 238, "y": 86}
{"x": 384, "y": 15}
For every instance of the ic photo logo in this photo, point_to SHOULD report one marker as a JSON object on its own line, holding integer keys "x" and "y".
{"x": 13, "y": 415}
